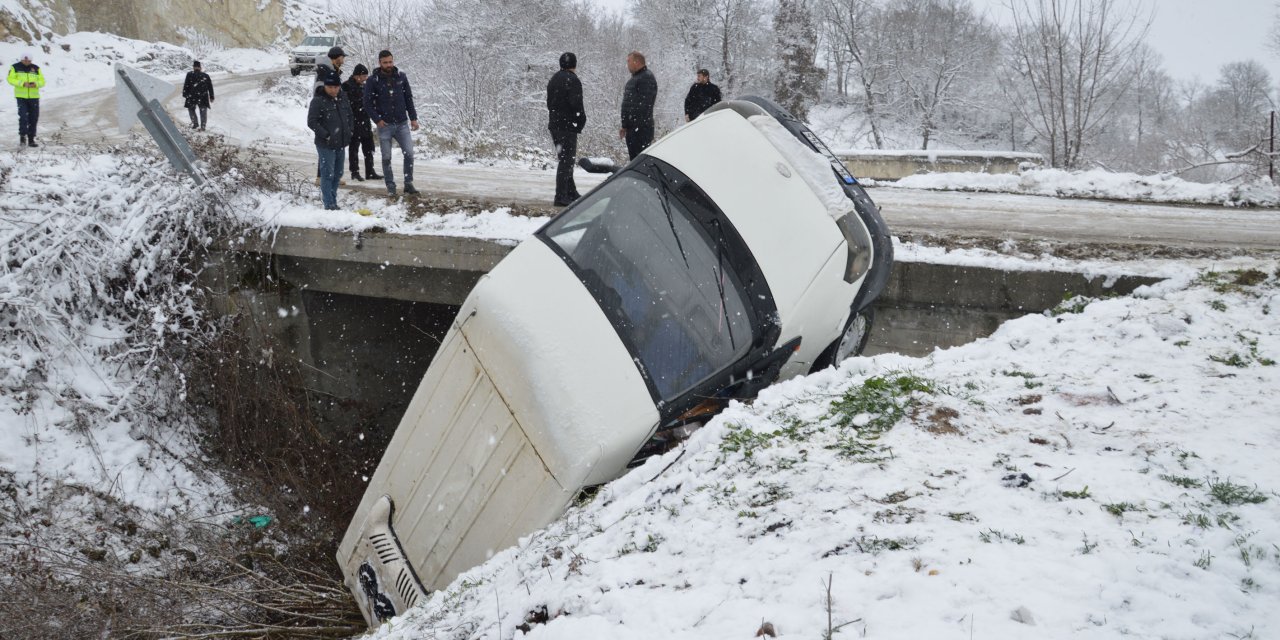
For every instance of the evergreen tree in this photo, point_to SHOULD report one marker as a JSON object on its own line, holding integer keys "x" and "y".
{"x": 799, "y": 78}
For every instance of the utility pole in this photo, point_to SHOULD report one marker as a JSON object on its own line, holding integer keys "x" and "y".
{"x": 1271, "y": 150}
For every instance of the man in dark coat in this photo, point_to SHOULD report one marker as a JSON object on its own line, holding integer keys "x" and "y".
{"x": 701, "y": 96}
{"x": 330, "y": 118}
{"x": 362, "y": 134}
{"x": 637, "y": 105}
{"x": 197, "y": 93}
{"x": 389, "y": 103}
{"x": 566, "y": 117}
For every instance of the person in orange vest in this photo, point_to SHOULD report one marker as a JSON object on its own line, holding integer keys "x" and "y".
{"x": 26, "y": 78}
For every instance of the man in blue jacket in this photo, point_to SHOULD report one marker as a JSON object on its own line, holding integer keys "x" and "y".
{"x": 389, "y": 102}
{"x": 329, "y": 116}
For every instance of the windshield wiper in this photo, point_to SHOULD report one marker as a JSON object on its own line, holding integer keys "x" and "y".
{"x": 663, "y": 194}
{"x": 724, "y": 301}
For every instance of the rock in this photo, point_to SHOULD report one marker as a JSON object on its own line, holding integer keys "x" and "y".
{"x": 1021, "y": 614}
{"x": 1016, "y": 480}
{"x": 766, "y": 630}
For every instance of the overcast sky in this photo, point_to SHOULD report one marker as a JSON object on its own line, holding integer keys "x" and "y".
{"x": 1196, "y": 37}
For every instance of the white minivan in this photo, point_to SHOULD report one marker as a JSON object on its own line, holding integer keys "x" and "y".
{"x": 735, "y": 251}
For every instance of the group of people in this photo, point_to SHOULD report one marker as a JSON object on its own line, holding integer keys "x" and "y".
{"x": 343, "y": 116}
{"x": 567, "y": 116}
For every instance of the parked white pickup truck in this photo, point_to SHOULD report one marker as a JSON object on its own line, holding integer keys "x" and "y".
{"x": 315, "y": 45}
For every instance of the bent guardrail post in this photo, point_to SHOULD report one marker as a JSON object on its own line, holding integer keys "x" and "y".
{"x": 138, "y": 97}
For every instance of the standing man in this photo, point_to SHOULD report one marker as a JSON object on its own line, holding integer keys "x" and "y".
{"x": 197, "y": 90}
{"x": 331, "y": 66}
{"x": 330, "y": 118}
{"x": 637, "y": 105}
{"x": 362, "y": 133}
{"x": 26, "y": 79}
{"x": 567, "y": 118}
{"x": 389, "y": 102}
{"x": 701, "y": 96}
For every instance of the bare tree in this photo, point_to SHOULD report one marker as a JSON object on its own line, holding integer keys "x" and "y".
{"x": 937, "y": 51}
{"x": 1072, "y": 62}
{"x": 852, "y": 28}
{"x": 737, "y": 26}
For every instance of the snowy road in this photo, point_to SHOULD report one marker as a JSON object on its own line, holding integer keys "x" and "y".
{"x": 239, "y": 114}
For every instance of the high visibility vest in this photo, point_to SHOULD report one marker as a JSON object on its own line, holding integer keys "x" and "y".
{"x": 19, "y": 78}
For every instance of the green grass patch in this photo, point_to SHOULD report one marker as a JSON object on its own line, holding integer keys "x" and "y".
{"x": 1232, "y": 494}
{"x": 1075, "y": 495}
{"x": 1182, "y": 481}
{"x": 1118, "y": 509}
{"x": 993, "y": 535}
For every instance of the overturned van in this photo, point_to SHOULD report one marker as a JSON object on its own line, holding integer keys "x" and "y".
{"x": 734, "y": 252}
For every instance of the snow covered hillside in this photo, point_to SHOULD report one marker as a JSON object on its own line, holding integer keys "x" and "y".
{"x": 1106, "y": 470}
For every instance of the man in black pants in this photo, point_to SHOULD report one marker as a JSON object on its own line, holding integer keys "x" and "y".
{"x": 637, "y": 105}
{"x": 197, "y": 91}
{"x": 567, "y": 117}
{"x": 362, "y": 133}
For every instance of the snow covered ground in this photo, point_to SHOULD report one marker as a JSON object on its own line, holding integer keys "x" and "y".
{"x": 1106, "y": 471}
{"x": 1096, "y": 183}
{"x": 1103, "y": 471}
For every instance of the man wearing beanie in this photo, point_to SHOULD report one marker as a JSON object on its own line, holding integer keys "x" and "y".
{"x": 330, "y": 66}
{"x": 329, "y": 116}
{"x": 197, "y": 92}
{"x": 26, "y": 79}
{"x": 362, "y": 133}
{"x": 567, "y": 118}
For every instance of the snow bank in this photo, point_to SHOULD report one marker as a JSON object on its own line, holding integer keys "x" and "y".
{"x": 1101, "y": 472}
{"x": 94, "y": 313}
{"x": 1099, "y": 184}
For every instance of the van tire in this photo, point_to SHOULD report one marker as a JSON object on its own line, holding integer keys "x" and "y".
{"x": 295, "y": 70}
{"x": 851, "y": 341}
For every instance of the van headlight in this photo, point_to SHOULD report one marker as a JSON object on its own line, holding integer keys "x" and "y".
{"x": 859, "y": 241}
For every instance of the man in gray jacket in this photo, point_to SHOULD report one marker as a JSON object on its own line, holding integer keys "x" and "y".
{"x": 637, "y": 105}
{"x": 330, "y": 118}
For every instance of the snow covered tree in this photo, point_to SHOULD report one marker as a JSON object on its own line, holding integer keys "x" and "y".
{"x": 1071, "y": 63}
{"x": 937, "y": 53}
{"x": 853, "y": 29}
{"x": 799, "y": 79}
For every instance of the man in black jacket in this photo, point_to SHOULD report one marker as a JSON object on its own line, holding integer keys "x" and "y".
{"x": 330, "y": 118}
{"x": 362, "y": 133}
{"x": 567, "y": 118}
{"x": 197, "y": 91}
{"x": 637, "y": 105}
{"x": 701, "y": 96}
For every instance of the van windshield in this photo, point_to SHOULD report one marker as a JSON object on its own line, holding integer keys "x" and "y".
{"x": 643, "y": 246}
{"x": 317, "y": 41}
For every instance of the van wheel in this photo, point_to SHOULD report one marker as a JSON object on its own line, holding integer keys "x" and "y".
{"x": 850, "y": 343}
{"x": 295, "y": 71}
